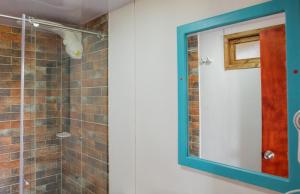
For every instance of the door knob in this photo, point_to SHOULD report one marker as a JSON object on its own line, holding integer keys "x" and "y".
{"x": 268, "y": 155}
{"x": 297, "y": 125}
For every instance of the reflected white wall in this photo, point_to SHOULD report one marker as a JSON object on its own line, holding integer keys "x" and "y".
{"x": 230, "y": 101}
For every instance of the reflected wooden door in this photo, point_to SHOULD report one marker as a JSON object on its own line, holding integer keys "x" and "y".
{"x": 274, "y": 100}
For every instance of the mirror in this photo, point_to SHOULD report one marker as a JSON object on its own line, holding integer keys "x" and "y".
{"x": 237, "y": 91}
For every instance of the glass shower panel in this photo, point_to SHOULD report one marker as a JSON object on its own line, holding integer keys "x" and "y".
{"x": 71, "y": 124}
{"x": 84, "y": 116}
{"x": 42, "y": 112}
{"x": 67, "y": 85}
{"x": 29, "y": 137}
{"x": 95, "y": 109}
{"x": 48, "y": 108}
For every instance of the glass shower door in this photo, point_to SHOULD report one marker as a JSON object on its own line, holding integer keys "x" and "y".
{"x": 65, "y": 111}
{"x": 42, "y": 112}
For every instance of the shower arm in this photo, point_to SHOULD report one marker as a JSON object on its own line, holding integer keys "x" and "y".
{"x": 52, "y": 24}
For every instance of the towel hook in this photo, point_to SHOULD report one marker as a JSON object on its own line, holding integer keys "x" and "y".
{"x": 205, "y": 60}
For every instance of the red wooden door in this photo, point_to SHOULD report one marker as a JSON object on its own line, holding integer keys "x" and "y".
{"x": 274, "y": 100}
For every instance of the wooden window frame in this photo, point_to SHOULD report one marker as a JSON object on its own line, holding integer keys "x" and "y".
{"x": 230, "y": 42}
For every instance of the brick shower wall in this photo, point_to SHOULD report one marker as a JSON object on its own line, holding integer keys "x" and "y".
{"x": 42, "y": 111}
{"x": 61, "y": 94}
{"x": 193, "y": 95}
{"x": 85, "y": 116}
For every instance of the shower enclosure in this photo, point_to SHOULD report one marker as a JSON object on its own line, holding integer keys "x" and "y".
{"x": 53, "y": 107}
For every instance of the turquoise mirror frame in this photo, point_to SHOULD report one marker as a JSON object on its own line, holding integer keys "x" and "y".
{"x": 292, "y": 12}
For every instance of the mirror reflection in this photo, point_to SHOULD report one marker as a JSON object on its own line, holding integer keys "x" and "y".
{"x": 237, "y": 95}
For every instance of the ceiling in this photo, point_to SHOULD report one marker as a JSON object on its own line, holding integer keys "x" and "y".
{"x": 66, "y": 11}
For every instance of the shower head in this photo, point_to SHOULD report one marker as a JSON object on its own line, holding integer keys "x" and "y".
{"x": 71, "y": 39}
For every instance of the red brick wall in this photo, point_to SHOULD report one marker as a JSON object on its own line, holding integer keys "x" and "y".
{"x": 61, "y": 94}
{"x": 85, "y": 115}
{"x": 42, "y": 110}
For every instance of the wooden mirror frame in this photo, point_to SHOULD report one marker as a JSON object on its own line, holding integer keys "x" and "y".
{"x": 291, "y": 8}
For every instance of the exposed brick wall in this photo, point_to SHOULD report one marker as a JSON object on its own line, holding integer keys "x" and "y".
{"x": 193, "y": 93}
{"x": 61, "y": 94}
{"x": 85, "y": 115}
{"x": 42, "y": 111}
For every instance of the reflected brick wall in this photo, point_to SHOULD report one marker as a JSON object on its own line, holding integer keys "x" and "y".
{"x": 193, "y": 93}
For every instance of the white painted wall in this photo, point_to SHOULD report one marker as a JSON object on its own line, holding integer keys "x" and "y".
{"x": 122, "y": 101}
{"x": 230, "y": 101}
{"x": 230, "y": 108}
{"x": 143, "y": 99}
